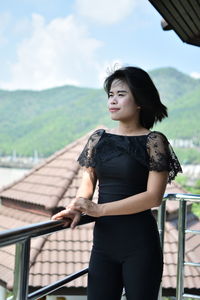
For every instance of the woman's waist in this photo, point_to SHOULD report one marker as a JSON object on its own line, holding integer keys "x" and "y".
{"x": 134, "y": 228}
{"x": 140, "y": 222}
{"x": 141, "y": 218}
{"x": 121, "y": 188}
{"x": 110, "y": 193}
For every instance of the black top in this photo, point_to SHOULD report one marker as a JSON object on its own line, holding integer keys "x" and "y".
{"x": 122, "y": 165}
{"x": 141, "y": 154}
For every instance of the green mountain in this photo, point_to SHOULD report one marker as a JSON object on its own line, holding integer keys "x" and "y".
{"x": 173, "y": 84}
{"x": 183, "y": 121}
{"x": 48, "y": 120}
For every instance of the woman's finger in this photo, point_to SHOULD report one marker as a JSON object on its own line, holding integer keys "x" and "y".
{"x": 67, "y": 223}
{"x": 59, "y": 215}
{"x": 65, "y": 213}
{"x": 56, "y": 217}
{"x": 75, "y": 220}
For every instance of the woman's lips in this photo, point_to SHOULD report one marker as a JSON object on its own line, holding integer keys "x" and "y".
{"x": 113, "y": 109}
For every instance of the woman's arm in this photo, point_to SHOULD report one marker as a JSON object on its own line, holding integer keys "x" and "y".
{"x": 88, "y": 184}
{"x": 85, "y": 191}
{"x": 152, "y": 197}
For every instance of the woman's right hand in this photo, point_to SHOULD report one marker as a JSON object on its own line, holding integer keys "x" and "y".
{"x": 71, "y": 217}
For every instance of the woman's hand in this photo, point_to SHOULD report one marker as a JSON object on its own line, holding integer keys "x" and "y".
{"x": 87, "y": 207}
{"x": 69, "y": 215}
{"x": 72, "y": 213}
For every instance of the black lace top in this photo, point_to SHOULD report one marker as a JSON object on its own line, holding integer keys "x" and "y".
{"x": 152, "y": 152}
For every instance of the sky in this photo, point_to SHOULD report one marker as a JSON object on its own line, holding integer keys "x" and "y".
{"x": 49, "y": 43}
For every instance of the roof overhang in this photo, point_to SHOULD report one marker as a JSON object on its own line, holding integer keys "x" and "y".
{"x": 182, "y": 16}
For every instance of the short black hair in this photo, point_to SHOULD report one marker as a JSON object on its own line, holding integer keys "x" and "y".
{"x": 144, "y": 92}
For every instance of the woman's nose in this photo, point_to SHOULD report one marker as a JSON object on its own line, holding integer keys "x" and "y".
{"x": 113, "y": 99}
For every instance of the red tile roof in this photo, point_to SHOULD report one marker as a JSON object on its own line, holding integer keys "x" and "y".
{"x": 44, "y": 186}
{"x": 54, "y": 183}
{"x": 192, "y": 254}
{"x": 64, "y": 252}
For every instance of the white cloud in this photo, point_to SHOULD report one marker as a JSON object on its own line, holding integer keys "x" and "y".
{"x": 195, "y": 75}
{"x": 105, "y": 11}
{"x": 60, "y": 52}
{"x": 107, "y": 68}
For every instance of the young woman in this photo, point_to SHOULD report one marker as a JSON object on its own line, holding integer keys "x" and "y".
{"x": 132, "y": 165}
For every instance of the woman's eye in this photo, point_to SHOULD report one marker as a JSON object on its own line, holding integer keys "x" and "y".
{"x": 121, "y": 95}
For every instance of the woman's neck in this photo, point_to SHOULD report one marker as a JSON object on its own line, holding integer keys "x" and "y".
{"x": 130, "y": 129}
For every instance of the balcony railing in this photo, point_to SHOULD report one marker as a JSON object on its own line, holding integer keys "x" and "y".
{"x": 182, "y": 230}
{"x": 22, "y": 237}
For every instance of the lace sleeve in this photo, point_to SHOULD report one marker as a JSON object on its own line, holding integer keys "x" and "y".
{"x": 87, "y": 156}
{"x": 162, "y": 156}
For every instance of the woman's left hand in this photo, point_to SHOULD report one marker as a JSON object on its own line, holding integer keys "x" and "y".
{"x": 87, "y": 207}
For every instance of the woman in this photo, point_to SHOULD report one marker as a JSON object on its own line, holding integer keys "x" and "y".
{"x": 132, "y": 165}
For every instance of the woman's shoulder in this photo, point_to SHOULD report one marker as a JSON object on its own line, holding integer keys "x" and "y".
{"x": 86, "y": 158}
{"x": 157, "y": 136}
{"x": 162, "y": 156}
{"x": 96, "y": 135}
{"x": 98, "y": 132}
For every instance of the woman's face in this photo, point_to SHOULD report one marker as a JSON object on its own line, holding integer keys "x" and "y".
{"x": 121, "y": 102}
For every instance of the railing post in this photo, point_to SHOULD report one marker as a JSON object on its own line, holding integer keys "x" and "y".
{"x": 21, "y": 270}
{"x": 161, "y": 222}
{"x": 181, "y": 249}
{"x": 161, "y": 227}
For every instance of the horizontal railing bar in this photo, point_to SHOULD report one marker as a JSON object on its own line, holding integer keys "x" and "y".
{"x": 13, "y": 236}
{"x": 56, "y": 285}
{"x": 191, "y": 296}
{"x": 192, "y": 264}
{"x": 182, "y": 197}
{"x": 192, "y": 231}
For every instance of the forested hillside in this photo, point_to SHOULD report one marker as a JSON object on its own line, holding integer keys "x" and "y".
{"x": 173, "y": 84}
{"x": 48, "y": 120}
{"x": 183, "y": 121}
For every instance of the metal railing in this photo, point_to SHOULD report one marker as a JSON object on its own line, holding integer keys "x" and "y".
{"x": 182, "y": 230}
{"x": 22, "y": 237}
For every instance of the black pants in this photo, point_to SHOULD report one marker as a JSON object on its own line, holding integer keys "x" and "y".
{"x": 139, "y": 273}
